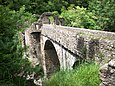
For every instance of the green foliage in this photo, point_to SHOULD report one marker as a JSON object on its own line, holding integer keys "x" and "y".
{"x": 40, "y": 6}
{"x": 11, "y": 51}
{"x": 51, "y": 20}
{"x": 38, "y": 70}
{"x": 56, "y": 5}
{"x": 79, "y": 17}
{"x": 92, "y": 14}
{"x": 35, "y": 6}
{"x": 104, "y": 10}
{"x": 81, "y": 3}
{"x": 84, "y": 75}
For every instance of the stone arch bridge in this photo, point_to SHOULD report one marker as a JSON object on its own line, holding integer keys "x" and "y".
{"x": 58, "y": 47}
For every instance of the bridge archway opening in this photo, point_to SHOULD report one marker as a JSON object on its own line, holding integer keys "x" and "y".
{"x": 77, "y": 63}
{"x": 51, "y": 58}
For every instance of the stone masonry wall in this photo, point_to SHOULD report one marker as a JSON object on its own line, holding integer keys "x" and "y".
{"x": 32, "y": 42}
{"x": 88, "y": 44}
{"x": 107, "y": 74}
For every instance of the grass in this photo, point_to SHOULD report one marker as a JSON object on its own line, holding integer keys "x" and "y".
{"x": 83, "y": 75}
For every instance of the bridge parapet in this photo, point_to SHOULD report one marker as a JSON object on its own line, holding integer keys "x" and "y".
{"x": 88, "y": 44}
{"x": 45, "y": 19}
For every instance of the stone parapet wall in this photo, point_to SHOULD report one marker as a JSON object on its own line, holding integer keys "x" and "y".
{"x": 88, "y": 44}
{"x": 32, "y": 44}
{"x": 107, "y": 74}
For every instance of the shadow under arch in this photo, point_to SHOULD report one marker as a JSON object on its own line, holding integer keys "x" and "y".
{"x": 51, "y": 58}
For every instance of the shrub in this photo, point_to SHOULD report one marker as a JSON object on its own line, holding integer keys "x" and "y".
{"x": 79, "y": 17}
{"x": 84, "y": 75}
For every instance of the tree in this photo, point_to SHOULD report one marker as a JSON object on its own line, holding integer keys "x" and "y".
{"x": 11, "y": 52}
{"x": 79, "y": 17}
{"x": 35, "y": 6}
{"x": 104, "y": 10}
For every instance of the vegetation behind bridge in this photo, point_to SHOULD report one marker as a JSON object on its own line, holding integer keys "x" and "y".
{"x": 90, "y": 14}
